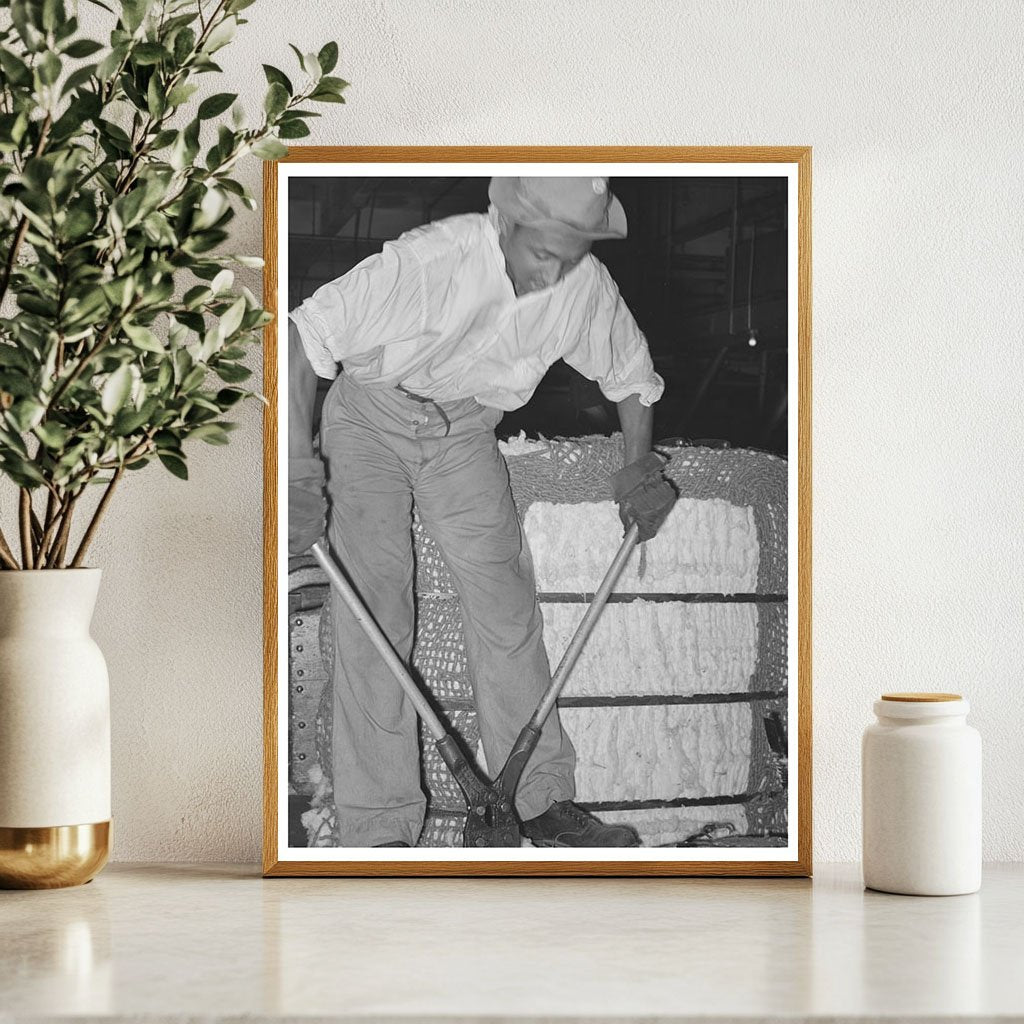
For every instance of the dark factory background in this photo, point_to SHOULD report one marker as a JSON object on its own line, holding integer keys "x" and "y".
{"x": 704, "y": 271}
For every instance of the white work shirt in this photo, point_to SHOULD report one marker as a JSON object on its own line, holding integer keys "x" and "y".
{"x": 436, "y": 312}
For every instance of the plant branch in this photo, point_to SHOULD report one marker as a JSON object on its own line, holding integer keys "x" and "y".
{"x": 90, "y": 531}
{"x": 60, "y": 544}
{"x": 87, "y": 357}
{"x": 22, "y": 229}
{"x": 37, "y": 527}
{"x": 51, "y": 525}
{"x": 25, "y": 522}
{"x": 6, "y": 554}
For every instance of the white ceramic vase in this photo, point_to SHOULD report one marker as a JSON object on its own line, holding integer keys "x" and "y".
{"x": 54, "y": 731}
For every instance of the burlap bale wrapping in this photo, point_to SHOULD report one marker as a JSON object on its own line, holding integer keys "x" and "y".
{"x": 572, "y": 472}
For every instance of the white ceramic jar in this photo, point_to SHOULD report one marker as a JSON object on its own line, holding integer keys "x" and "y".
{"x": 921, "y": 789}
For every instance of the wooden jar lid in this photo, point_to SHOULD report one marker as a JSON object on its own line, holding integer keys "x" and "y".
{"x": 921, "y": 698}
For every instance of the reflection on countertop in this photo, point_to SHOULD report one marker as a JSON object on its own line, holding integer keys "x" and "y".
{"x": 185, "y": 940}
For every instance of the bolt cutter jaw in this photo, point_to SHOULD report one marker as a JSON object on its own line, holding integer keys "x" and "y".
{"x": 491, "y": 820}
{"x": 492, "y": 825}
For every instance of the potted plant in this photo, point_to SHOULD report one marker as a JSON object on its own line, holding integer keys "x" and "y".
{"x": 122, "y": 340}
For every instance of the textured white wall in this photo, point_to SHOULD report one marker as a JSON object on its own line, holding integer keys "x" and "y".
{"x": 914, "y": 113}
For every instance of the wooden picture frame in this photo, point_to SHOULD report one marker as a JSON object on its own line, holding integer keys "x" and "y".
{"x": 791, "y": 163}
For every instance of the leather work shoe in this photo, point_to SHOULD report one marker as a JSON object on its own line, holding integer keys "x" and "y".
{"x": 397, "y": 842}
{"x": 565, "y": 824}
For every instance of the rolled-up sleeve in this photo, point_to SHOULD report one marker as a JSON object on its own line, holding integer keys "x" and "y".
{"x": 378, "y": 302}
{"x": 612, "y": 349}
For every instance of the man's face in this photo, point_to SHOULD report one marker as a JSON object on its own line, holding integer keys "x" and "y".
{"x": 537, "y": 258}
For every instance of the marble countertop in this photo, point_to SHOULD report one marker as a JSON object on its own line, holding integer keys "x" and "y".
{"x": 182, "y": 941}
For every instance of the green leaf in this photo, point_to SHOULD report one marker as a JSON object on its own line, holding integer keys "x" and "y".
{"x": 195, "y": 296}
{"x": 78, "y": 222}
{"x": 156, "y": 100}
{"x": 53, "y": 14}
{"x": 214, "y": 105}
{"x": 211, "y": 433}
{"x": 228, "y": 397}
{"x": 116, "y": 390}
{"x": 211, "y": 207}
{"x": 128, "y": 421}
{"x": 175, "y": 465}
{"x": 232, "y": 319}
{"x": 292, "y": 130}
{"x": 53, "y": 435}
{"x": 10, "y": 355}
{"x": 269, "y": 149}
{"x": 184, "y": 44}
{"x": 325, "y": 96}
{"x": 181, "y": 94}
{"x": 274, "y": 75}
{"x": 149, "y": 53}
{"x": 334, "y": 84}
{"x": 163, "y": 139}
{"x": 16, "y": 383}
{"x": 77, "y": 79}
{"x": 109, "y": 65}
{"x": 193, "y": 379}
{"x": 26, "y": 413}
{"x": 119, "y": 291}
{"x": 21, "y": 471}
{"x": 310, "y": 64}
{"x": 328, "y": 57}
{"x": 26, "y": 20}
{"x": 133, "y": 13}
{"x": 232, "y": 373}
{"x": 65, "y": 29}
{"x": 129, "y": 208}
{"x": 164, "y": 376}
{"x": 86, "y": 309}
{"x": 203, "y": 65}
{"x": 49, "y": 68}
{"x": 36, "y": 304}
{"x": 276, "y": 100}
{"x": 11, "y": 442}
{"x": 144, "y": 338}
{"x": 83, "y": 48}
{"x": 116, "y": 133}
{"x": 221, "y": 35}
{"x": 14, "y": 68}
{"x": 193, "y": 321}
{"x": 223, "y": 280}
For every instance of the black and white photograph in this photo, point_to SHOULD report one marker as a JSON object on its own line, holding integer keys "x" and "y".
{"x": 537, "y": 514}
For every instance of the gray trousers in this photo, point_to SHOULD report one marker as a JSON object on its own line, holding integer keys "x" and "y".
{"x": 383, "y": 449}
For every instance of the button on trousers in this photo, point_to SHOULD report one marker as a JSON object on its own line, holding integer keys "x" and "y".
{"x": 383, "y": 450}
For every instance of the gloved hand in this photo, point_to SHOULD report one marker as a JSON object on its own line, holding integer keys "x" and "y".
{"x": 645, "y": 497}
{"x": 307, "y": 506}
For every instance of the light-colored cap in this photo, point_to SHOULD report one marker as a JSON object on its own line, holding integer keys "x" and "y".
{"x": 584, "y": 207}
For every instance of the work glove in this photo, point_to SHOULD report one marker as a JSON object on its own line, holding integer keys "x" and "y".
{"x": 645, "y": 497}
{"x": 307, "y": 507}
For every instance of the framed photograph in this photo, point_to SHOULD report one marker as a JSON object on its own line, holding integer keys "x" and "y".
{"x": 537, "y": 511}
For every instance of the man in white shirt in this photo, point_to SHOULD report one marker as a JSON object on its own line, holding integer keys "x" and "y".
{"x": 451, "y": 325}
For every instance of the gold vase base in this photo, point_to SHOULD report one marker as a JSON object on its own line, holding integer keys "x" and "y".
{"x": 52, "y": 857}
